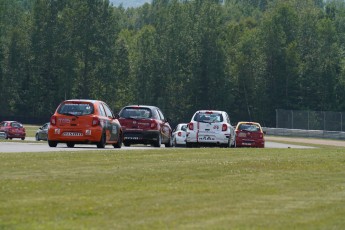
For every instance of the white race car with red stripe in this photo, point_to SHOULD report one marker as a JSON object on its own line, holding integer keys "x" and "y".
{"x": 210, "y": 127}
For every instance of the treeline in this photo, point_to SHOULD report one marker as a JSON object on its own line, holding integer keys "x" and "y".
{"x": 247, "y": 57}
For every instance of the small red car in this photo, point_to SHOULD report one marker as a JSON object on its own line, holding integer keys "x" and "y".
{"x": 249, "y": 134}
{"x": 12, "y": 129}
{"x": 143, "y": 124}
{"x": 84, "y": 122}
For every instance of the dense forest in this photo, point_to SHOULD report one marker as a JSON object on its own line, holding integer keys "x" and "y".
{"x": 247, "y": 57}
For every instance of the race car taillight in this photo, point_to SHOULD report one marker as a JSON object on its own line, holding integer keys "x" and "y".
{"x": 190, "y": 126}
{"x": 95, "y": 121}
{"x": 53, "y": 120}
{"x": 153, "y": 124}
{"x": 224, "y": 127}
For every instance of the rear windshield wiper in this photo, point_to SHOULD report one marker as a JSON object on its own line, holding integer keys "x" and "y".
{"x": 247, "y": 130}
{"x": 70, "y": 114}
{"x": 203, "y": 121}
{"x": 129, "y": 117}
{"x": 145, "y": 118}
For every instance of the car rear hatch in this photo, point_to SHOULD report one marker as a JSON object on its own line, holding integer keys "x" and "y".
{"x": 249, "y": 135}
{"x": 76, "y": 116}
{"x": 67, "y": 121}
{"x": 210, "y": 122}
{"x": 137, "y": 118}
{"x": 134, "y": 123}
{"x": 208, "y": 125}
{"x": 138, "y": 123}
{"x": 17, "y": 130}
{"x": 249, "y": 132}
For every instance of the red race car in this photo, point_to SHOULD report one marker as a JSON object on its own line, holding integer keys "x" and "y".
{"x": 143, "y": 124}
{"x": 249, "y": 134}
{"x": 12, "y": 129}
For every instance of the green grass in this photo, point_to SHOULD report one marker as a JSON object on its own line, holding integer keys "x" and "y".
{"x": 31, "y": 130}
{"x": 206, "y": 188}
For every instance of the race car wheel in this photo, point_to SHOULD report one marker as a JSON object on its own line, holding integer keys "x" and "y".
{"x": 70, "y": 145}
{"x": 102, "y": 142}
{"x": 119, "y": 142}
{"x": 189, "y": 145}
{"x": 52, "y": 143}
{"x": 158, "y": 142}
{"x": 170, "y": 143}
{"x": 233, "y": 145}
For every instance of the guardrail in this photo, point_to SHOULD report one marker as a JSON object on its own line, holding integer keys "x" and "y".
{"x": 337, "y": 135}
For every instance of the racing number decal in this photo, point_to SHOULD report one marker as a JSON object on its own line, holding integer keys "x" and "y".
{"x": 165, "y": 131}
{"x": 110, "y": 129}
{"x": 113, "y": 131}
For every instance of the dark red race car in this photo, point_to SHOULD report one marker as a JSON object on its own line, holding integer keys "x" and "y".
{"x": 143, "y": 124}
{"x": 12, "y": 129}
{"x": 249, "y": 134}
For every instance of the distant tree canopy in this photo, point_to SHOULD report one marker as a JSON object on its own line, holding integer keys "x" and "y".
{"x": 247, "y": 57}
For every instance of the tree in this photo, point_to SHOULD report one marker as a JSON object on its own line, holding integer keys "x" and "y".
{"x": 125, "y": 90}
{"x": 144, "y": 63}
{"x": 14, "y": 25}
{"x": 279, "y": 40}
{"x": 209, "y": 75}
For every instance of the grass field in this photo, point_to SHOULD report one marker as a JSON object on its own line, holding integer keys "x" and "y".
{"x": 31, "y": 130}
{"x": 207, "y": 188}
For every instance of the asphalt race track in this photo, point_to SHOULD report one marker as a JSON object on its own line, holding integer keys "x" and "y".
{"x": 42, "y": 146}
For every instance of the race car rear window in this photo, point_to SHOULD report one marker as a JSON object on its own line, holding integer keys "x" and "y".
{"x": 16, "y": 125}
{"x": 77, "y": 109}
{"x": 136, "y": 113}
{"x": 249, "y": 127}
{"x": 208, "y": 117}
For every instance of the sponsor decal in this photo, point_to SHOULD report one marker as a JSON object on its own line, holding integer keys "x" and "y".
{"x": 64, "y": 120}
{"x": 143, "y": 124}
